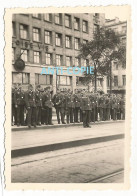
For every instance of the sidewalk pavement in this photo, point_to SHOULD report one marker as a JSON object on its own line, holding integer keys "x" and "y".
{"x": 56, "y": 125}
{"x": 40, "y": 140}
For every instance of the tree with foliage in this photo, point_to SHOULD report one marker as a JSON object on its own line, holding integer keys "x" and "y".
{"x": 105, "y": 48}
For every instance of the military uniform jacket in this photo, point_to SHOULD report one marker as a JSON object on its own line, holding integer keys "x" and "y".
{"x": 114, "y": 104}
{"x": 107, "y": 102}
{"x": 71, "y": 103}
{"x": 47, "y": 100}
{"x": 30, "y": 99}
{"x": 12, "y": 97}
{"x": 19, "y": 98}
{"x": 93, "y": 103}
{"x": 38, "y": 99}
{"x": 76, "y": 101}
{"x": 57, "y": 100}
{"x": 122, "y": 104}
{"x": 101, "y": 103}
{"x": 85, "y": 103}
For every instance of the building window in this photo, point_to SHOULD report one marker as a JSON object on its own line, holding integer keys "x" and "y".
{"x": 77, "y": 43}
{"x": 48, "y": 58}
{"x": 23, "y": 31}
{"x": 79, "y": 80}
{"x": 48, "y": 37}
{"x": 24, "y": 55}
{"x": 76, "y": 23}
{"x": 85, "y": 26}
{"x": 58, "y": 39}
{"x": 68, "y": 61}
{"x": 115, "y": 65}
{"x": 115, "y": 81}
{"x": 21, "y": 78}
{"x": 86, "y": 62}
{"x": 13, "y": 29}
{"x": 58, "y": 19}
{"x": 36, "y": 16}
{"x": 124, "y": 80}
{"x": 68, "y": 21}
{"x": 64, "y": 80}
{"x": 68, "y": 41}
{"x": 13, "y": 54}
{"x": 85, "y": 41}
{"x": 43, "y": 79}
{"x": 36, "y": 57}
{"x": 48, "y": 17}
{"x": 58, "y": 60}
{"x": 77, "y": 62}
{"x": 36, "y": 34}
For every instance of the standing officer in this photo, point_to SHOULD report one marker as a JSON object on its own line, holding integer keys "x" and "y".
{"x": 101, "y": 105}
{"x": 114, "y": 107}
{"x": 108, "y": 106}
{"x": 81, "y": 112}
{"x": 122, "y": 105}
{"x": 47, "y": 104}
{"x": 13, "y": 109}
{"x": 96, "y": 98}
{"x": 71, "y": 107}
{"x": 31, "y": 106}
{"x": 76, "y": 107}
{"x": 19, "y": 100}
{"x": 57, "y": 101}
{"x": 67, "y": 108}
{"x": 38, "y": 98}
{"x": 86, "y": 109}
{"x": 62, "y": 106}
{"x": 118, "y": 108}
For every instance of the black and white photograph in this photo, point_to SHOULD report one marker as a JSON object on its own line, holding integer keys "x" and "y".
{"x": 67, "y": 87}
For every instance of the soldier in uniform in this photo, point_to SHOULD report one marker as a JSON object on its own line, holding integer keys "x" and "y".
{"x": 57, "y": 101}
{"x": 19, "y": 100}
{"x": 108, "y": 106}
{"x": 76, "y": 107}
{"x": 67, "y": 108}
{"x": 38, "y": 99}
{"x": 81, "y": 112}
{"x": 114, "y": 107}
{"x": 62, "y": 106}
{"x": 31, "y": 106}
{"x": 71, "y": 107}
{"x": 122, "y": 106}
{"x": 47, "y": 104}
{"x": 118, "y": 110}
{"x": 96, "y": 98}
{"x": 86, "y": 109}
{"x": 101, "y": 106}
{"x": 13, "y": 109}
{"x": 92, "y": 99}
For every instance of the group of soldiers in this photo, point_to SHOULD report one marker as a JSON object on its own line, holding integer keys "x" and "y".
{"x": 34, "y": 107}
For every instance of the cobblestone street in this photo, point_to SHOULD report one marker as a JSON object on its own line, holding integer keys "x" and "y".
{"x": 75, "y": 165}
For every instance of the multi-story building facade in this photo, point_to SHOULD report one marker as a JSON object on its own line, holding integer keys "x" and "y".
{"x": 118, "y": 70}
{"x": 52, "y": 40}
